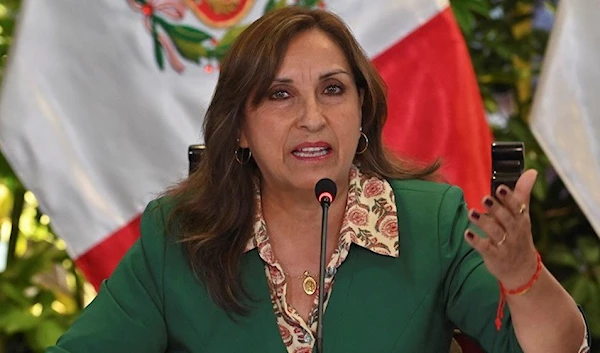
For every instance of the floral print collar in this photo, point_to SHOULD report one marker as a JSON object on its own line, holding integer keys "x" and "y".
{"x": 371, "y": 219}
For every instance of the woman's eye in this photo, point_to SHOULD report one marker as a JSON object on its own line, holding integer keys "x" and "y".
{"x": 334, "y": 89}
{"x": 279, "y": 95}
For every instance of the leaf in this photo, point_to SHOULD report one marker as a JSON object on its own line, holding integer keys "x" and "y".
{"x": 539, "y": 190}
{"x": 190, "y": 50}
{"x": 596, "y": 273}
{"x": 6, "y": 204}
{"x": 520, "y": 131}
{"x": 187, "y": 40}
{"x": 580, "y": 291}
{"x": 5, "y": 169}
{"x": 464, "y": 17}
{"x": 7, "y": 175}
{"x": 274, "y": 5}
{"x": 18, "y": 320}
{"x": 589, "y": 247}
{"x": 592, "y": 309}
{"x": 45, "y": 334}
{"x": 308, "y": 3}
{"x": 14, "y": 292}
{"x": 482, "y": 7}
{"x": 225, "y": 42}
{"x": 561, "y": 255}
{"x": 158, "y": 54}
{"x": 490, "y": 105}
{"x": 569, "y": 283}
{"x": 40, "y": 261}
{"x": 231, "y": 35}
{"x": 46, "y": 297}
{"x": 185, "y": 33}
{"x": 271, "y": 5}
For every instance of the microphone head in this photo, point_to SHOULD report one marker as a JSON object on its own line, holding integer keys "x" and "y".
{"x": 325, "y": 188}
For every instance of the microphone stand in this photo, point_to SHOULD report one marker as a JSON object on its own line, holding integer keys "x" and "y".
{"x": 325, "y": 205}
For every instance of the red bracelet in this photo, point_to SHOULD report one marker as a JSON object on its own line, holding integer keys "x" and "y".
{"x": 519, "y": 291}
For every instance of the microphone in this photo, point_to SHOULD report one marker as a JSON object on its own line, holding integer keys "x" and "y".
{"x": 325, "y": 191}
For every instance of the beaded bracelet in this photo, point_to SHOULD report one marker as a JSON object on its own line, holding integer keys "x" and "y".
{"x": 518, "y": 291}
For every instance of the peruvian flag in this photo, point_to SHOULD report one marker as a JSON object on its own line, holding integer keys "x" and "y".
{"x": 102, "y": 98}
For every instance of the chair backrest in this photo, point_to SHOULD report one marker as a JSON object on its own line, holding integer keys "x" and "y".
{"x": 194, "y": 156}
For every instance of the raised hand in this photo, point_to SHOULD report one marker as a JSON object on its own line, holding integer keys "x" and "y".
{"x": 508, "y": 251}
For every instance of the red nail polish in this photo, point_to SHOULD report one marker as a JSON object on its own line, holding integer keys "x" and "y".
{"x": 475, "y": 214}
{"x": 502, "y": 191}
{"x": 470, "y": 235}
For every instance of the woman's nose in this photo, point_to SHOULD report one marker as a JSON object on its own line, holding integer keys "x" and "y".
{"x": 312, "y": 117}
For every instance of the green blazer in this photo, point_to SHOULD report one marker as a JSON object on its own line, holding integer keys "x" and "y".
{"x": 153, "y": 303}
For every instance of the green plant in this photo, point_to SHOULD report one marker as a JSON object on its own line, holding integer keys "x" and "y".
{"x": 507, "y": 51}
{"x": 35, "y": 309}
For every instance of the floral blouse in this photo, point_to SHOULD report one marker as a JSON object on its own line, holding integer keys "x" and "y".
{"x": 371, "y": 222}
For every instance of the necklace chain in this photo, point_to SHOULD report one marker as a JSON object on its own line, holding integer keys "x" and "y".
{"x": 302, "y": 276}
{"x": 309, "y": 285}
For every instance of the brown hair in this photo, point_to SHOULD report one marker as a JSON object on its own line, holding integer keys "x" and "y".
{"x": 214, "y": 209}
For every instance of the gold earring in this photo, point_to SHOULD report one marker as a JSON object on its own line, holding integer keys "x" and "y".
{"x": 364, "y": 149}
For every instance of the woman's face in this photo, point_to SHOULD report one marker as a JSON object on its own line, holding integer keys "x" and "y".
{"x": 307, "y": 127}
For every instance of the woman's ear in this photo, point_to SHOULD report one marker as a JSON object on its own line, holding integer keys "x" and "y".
{"x": 243, "y": 140}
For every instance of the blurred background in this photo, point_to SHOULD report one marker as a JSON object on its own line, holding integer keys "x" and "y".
{"x": 42, "y": 292}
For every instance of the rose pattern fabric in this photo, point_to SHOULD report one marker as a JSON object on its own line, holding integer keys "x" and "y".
{"x": 389, "y": 227}
{"x": 358, "y": 216}
{"x": 374, "y": 188}
{"x": 370, "y": 222}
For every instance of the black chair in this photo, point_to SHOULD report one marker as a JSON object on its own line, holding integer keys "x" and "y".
{"x": 194, "y": 156}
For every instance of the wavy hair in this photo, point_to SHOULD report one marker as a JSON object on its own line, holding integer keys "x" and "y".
{"x": 215, "y": 232}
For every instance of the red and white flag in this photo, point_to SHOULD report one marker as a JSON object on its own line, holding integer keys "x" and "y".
{"x": 102, "y": 98}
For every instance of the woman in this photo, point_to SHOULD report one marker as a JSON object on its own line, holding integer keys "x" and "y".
{"x": 227, "y": 261}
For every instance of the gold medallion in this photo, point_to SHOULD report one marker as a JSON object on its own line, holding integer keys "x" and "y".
{"x": 309, "y": 285}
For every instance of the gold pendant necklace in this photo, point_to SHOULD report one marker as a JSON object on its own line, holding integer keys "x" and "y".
{"x": 309, "y": 284}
